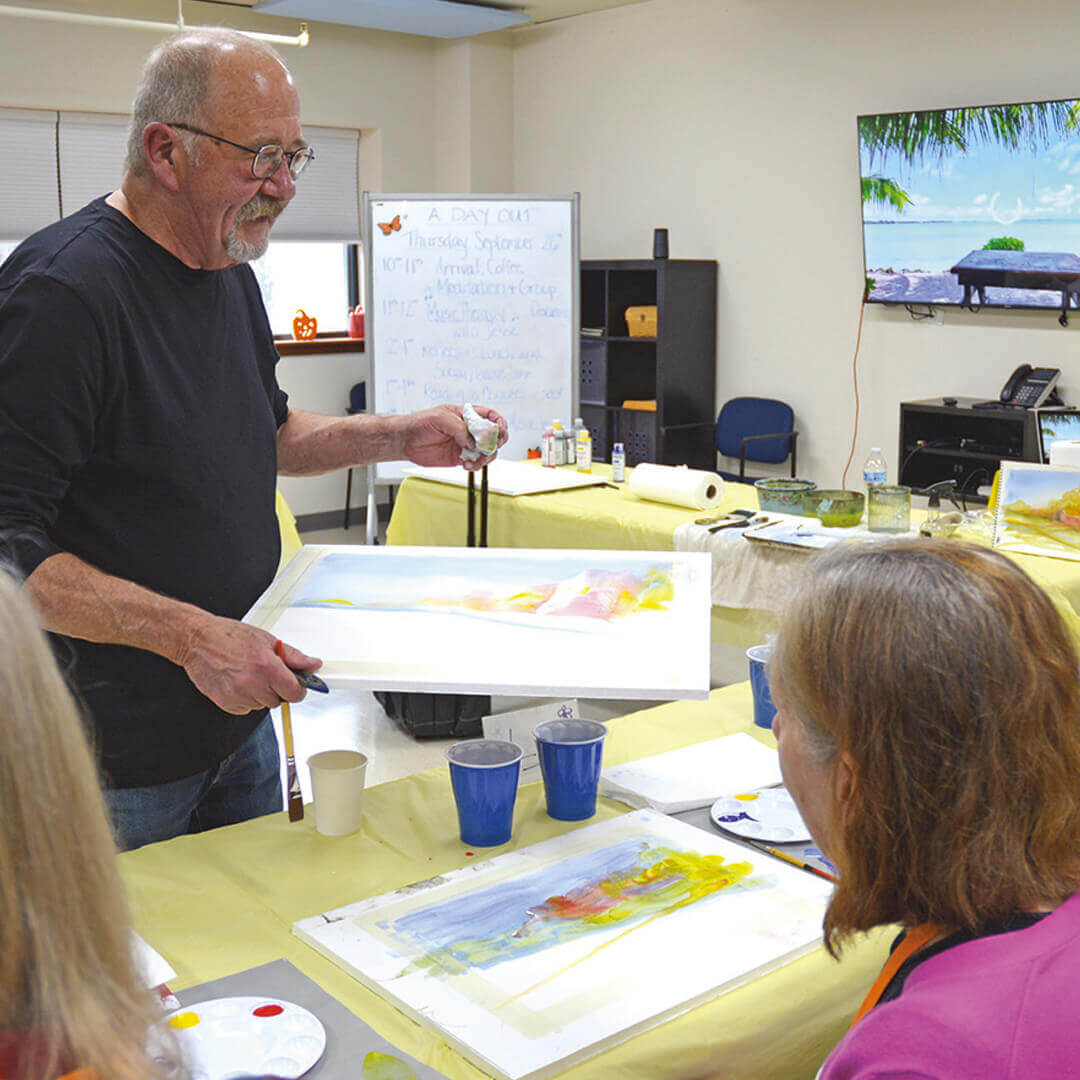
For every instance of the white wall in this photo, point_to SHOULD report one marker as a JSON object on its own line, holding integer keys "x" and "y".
{"x": 733, "y": 124}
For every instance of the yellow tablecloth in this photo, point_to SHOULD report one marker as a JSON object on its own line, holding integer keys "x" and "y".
{"x": 428, "y": 513}
{"x": 224, "y": 901}
{"x": 290, "y": 536}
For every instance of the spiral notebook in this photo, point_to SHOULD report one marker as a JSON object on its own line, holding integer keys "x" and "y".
{"x": 1038, "y": 510}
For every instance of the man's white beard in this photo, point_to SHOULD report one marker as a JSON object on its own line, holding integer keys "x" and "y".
{"x": 260, "y": 206}
{"x": 241, "y": 251}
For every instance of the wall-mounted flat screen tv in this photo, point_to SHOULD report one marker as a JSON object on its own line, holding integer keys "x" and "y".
{"x": 973, "y": 206}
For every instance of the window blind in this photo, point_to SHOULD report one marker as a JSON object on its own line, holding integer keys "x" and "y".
{"x": 86, "y": 151}
{"x": 327, "y": 202}
{"x": 92, "y": 149}
{"x": 28, "y": 195}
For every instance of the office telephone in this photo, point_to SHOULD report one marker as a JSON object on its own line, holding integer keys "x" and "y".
{"x": 1030, "y": 387}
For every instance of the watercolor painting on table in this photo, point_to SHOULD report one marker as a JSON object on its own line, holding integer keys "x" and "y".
{"x": 611, "y": 624}
{"x": 1038, "y": 510}
{"x": 536, "y": 959}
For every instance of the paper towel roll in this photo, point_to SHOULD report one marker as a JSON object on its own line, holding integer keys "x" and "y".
{"x": 679, "y": 486}
{"x": 1065, "y": 452}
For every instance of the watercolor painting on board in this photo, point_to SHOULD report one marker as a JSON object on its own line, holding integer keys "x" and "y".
{"x": 559, "y": 623}
{"x": 536, "y": 959}
{"x": 1038, "y": 510}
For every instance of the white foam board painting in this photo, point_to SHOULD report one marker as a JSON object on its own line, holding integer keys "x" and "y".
{"x": 604, "y": 624}
{"x": 536, "y": 959}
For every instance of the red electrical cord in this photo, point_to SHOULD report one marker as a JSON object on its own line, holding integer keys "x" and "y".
{"x": 855, "y": 382}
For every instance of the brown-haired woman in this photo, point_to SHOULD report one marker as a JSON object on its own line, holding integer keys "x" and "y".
{"x": 70, "y": 998}
{"x": 929, "y": 731}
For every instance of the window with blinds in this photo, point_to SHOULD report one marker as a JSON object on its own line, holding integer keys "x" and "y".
{"x": 67, "y": 159}
{"x": 29, "y": 196}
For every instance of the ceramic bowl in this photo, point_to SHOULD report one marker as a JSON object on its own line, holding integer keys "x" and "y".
{"x": 782, "y": 495}
{"x": 839, "y": 509}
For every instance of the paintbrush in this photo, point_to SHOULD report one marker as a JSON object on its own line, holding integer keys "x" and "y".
{"x": 808, "y": 867}
{"x": 296, "y": 799}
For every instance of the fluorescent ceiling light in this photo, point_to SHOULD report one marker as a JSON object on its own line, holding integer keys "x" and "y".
{"x": 430, "y": 18}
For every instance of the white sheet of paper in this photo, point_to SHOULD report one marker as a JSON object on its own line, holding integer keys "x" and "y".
{"x": 517, "y": 727}
{"x": 510, "y": 477}
{"x": 693, "y": 776}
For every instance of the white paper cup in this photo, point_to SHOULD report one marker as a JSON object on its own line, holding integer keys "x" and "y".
{"x": 337, "y": 789}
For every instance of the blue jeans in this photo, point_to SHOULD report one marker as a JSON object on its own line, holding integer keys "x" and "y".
{"x": 246, "y": 784}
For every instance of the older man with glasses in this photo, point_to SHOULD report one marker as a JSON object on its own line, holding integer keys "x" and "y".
{"x": 142, "y": 430}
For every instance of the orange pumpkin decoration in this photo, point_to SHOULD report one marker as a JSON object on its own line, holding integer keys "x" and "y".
{"x": 304, "y": 326}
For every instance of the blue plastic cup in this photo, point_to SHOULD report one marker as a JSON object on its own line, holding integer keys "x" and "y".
{"x": 764, "y": 709}
{"x": 570, "y": 752}
{"x": 484, "y": 775}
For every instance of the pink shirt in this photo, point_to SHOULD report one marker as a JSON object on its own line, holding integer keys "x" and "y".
{"x": 1005, "y": 1007}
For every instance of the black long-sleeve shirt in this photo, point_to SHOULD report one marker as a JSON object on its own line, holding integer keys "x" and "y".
{"x": 138, "y": 421}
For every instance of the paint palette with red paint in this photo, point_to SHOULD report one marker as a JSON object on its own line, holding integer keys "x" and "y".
{"x": 247, "y": 1036}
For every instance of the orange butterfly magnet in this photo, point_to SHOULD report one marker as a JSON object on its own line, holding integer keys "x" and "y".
{"x": 389, "y": 227}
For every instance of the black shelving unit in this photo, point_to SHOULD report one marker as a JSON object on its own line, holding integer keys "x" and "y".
{"x": 958, "y": 442}
{"x": 677, "y": 368}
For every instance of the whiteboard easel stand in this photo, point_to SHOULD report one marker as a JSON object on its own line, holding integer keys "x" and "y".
{"x": 372, "y": 506}
{"x": 404, "y": 345}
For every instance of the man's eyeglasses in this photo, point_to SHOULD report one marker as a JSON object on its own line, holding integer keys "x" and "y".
{"x": 267, "y": 159}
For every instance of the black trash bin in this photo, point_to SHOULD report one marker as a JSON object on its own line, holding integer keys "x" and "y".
{"x": 436, "y": 716}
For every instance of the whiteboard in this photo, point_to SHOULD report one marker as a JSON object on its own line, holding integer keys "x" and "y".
{"x": 474, "y": 298}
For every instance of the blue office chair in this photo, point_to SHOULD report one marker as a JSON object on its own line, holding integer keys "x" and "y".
{"x": 756, "y": 429}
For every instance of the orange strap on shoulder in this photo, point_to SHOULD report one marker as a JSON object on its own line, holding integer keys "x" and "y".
{"x": 914, "y": 940}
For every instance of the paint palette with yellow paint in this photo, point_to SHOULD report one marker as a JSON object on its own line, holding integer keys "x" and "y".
{"x": 765, "y": 814}
{"x": 247, "y": 1036}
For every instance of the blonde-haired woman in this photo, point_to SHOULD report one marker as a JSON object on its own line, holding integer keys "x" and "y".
{"x": 70, "y": 1000}
{"x": 929, "y": 731}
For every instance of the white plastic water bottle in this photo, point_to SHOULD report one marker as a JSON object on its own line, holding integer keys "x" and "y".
{"x": 874, "y": 469}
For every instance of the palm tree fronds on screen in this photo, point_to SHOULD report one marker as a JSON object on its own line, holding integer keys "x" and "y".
{"x": 920, "y": 135}
{"x": 880, "y": 189}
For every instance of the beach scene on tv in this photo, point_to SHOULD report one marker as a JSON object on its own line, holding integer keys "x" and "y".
{"x": 973, "y": 206}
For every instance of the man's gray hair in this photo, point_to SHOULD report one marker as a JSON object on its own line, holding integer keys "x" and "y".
{"x": 176, "y": 82}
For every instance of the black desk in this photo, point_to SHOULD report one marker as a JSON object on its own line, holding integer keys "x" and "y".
{"x": 961, "y": 443}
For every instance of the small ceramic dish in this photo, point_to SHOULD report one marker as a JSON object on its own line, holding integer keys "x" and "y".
{"x": 781, "y": 495}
